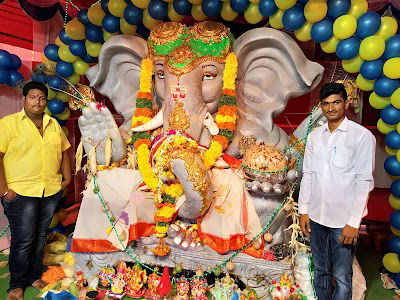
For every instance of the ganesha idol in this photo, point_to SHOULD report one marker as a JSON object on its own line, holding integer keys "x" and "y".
{"x": 189, "y": 97}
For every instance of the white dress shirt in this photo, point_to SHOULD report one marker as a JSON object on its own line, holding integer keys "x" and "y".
{"x": 337, "y": 174}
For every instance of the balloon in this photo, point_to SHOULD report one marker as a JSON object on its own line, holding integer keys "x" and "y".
{"x": 80, "y": 67}
{"x": 388, "y": 27}
{"x": 50, "y": 51}
{"x": 158, "y": 9}
{"x": 227, "y": 12}
{"x": 372, "y": 47}
{"x": 211, "y": 8}
{"x": 66, "y": 55}
{"x": 372, "y": 69}
{"x": 117, "y": 7}
{"x": 58, "y": 228}
{"x": 252, "y": 14}
{"x": 172, "y": 14}
{"x": 3, "y": 75}
{"x": 141, "y": 3}
{"x": 83, "y": 17}
{"x": 348, "y": 48}
{"x": 385, "y": 87}
{"x": 107, "y": 35}
{"x": 384, "y": 128}
{"x": 395, "y": 231}
{"x": 285, "y": 4}
{"x": 267, "y": 7}
{"x": 58, "y": 42}
{"x": 96, "y": 14}
{"x": 14, "y": 77}
{"x": 75, "y": 30}
{"x": 358, "y": 7}
{"x": 148, "y": 21}
{"x": 61, "y": 122}
{"x": 315, "y": 10}
{"x": 78, "y": 48}
{"x": 303, "y": 34}
{"x": 239, "y": 6}
{"x": 392, "y": 48}
{"x": 5, "y": 59}
{"x": 391, "y": 262}
{"x": 198, "y": 15}
{"x": 392, "y": 165}
{"x": 390, "y": 115}
{"x": 93, "y": 49}
{"x": 396, "y": 278}
{"x": 330, "y": 45}
{"x": 395, "y": 219}
{"x": 276, "y": 19}
{"x": 64, "y": 115}
{"x": 56, "y": 106}
{"x": 15, "y": 62}
{"x": 55, "y": 83}
{"x": 344, "y": 27}
{"x": 94, "y": 33}
{"x": 352, "y": 65}
{"x": 391, "y": 151}
{"x": 64, "y": 37}
{"x": 337, "y": 8}
{"x": 395, "y": 98}
{"x": 127, "y": 28}
{"x": 54, "y": 222}
{"x": 191, "y": 1}
{"x": 89, "y": 59}
{"x": 133, "y": 15}
{"x": 378, "y": 102}
{"x": 322, "y": 30}
{"x": 293, "y": 18}
{"x": 183, "y": 7}
{"x": 63, "y": 96}
{"x": 110, "y": 24}
{"x": 394, "y": 202}
{"x": 74, "y": 78}
{"x": 391, "y": 68}
{"x": 365, "y": 84}
{"x": 368, "y": 24}
{"x": 104, "y": 6}
{"x": 64, "y": 69}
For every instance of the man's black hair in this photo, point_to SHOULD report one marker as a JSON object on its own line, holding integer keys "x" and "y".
{"x": 332, "y": 88}
{"x": 34, "y": 85}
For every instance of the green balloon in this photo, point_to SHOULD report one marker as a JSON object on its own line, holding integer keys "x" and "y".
{"x": 51, "y": 94}
{"x": 378, "y": 102}
{"x": 385, "y": 128}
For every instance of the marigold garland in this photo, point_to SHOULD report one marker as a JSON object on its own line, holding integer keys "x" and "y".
{"x": 149, "y": 178}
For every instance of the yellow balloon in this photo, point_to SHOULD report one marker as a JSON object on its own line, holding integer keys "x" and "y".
{"x": 358, "y": 8}
{"x": 66, "y": 132}
{"x": 377, "y": 101}
{"x": 391, "y": 260}
{"x": 93, "y": 49}
{"x": 303, "y": 34}
{"x": 251, "y": 1}
{"x": 47, "y": 111}
{"x": 330, "y": 45}
{"x": 390, "y": 151}
{"x": 63, "y": 96}
{"x": 391, "y": 68}
{"x": 75, "y": 29}
{"x": 352, "y": 65}
{"x": 285, "y": 4}
{"x": 315, "y": 10}
{"x": 227, "y": 13}
{"x": 107, "y": 35}
{"x": 141, "y": 3}
{"x": 344, "y": 27}
{"x": 169, "y": 1}
{"x": 372, "y": 47}
{"x": 74, "y": 78}
{"x": 50, "y": 93}
{"x": 395, "y": 98}
{"x": 173, "y": 15}
{"x": 80, "y": 67}
{"x": 126, "y": 28}
{"x": 96, "y": 14}
{"x": 54, "y": 222}
{"x": 197, "y": 13}
{"x": 64, "y": 115}
{"x": 384, "y": 128}
{"x": 395, "y": 231}
{"x": 148, "y": 21}
{"x": 388, "y": 27}
{"x": 191, "y": 1}
{"x": 252, "y": 14}
{"x": 58, "y": 42}
{"x": 117, "y": 7}
{"x": 365, "y": 84}
{"x": 276, "y": 19}
{"x": 66, "y": 55}
{"x": 394, "y": 201}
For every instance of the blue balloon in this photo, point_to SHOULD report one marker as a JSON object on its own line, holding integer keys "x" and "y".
{"x": 56, "y": 106}
{"x": 64, "y": 69}
{"x": 158, "y": 9}
{"x": 3, "y": 75}
{"x": 267, "y": 7}
{"x": 394, "y": 244}
{"x": 183, "y": 7}
{"x": 64, "y": 37}
{"x": 368, "y": 24}
{"x": 395, "y": 277}
{"x": 104, "y": 6}
{"x": 302, "y": 2}
{"x": 83, "y": 17}
{"x": 395, "y": 219}
{"x": 348, "y": 48}
{"x": 133, "y": 15}
{"x": 89, "y": 59}
{"x": 51, "y": 52}
{"x": 385, "y": 87}
{"x": 61, "y": 122}
{"x": 372, "y": 69}
{"x": 211, "y": 8}
{"x": 239, "y": 5}
{"x": 392, "y": 48}
{"x": 94, "y": 33}
{"x": 77, "y": 48}
{"x": 390, "y": 115}
{"x": 395, "y": 188}
{"x": 392, "y": 165}
{"x": 58, "y": 228}
{"x": 392, "y": 140}
{"x": 39, "y": 77}
{"x": 322, "y": 30}
{"x": 293, "y": 18}
{"x": 15, "y": 62}
{"x": 337, "y": 8}
{"x": 55, "y": 83}
{"x": 111, "y": 23}
{"x": 14, "y": 77}
{"x": 5, "y": 59}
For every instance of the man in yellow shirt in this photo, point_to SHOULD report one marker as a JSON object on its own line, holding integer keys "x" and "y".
{"x": 34, "y": 170}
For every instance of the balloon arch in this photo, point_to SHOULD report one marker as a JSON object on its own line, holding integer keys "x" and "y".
{"x": 365, "y": 42}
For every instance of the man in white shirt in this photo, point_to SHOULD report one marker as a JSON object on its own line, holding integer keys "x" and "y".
{"x": 337, "y": 177}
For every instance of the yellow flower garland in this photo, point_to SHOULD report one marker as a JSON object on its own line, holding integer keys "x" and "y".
{"x": 146, "y": 74}
{"x": 149, "y": 178}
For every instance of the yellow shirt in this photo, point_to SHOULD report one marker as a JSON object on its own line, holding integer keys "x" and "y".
{"x": 32, "y": 163}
